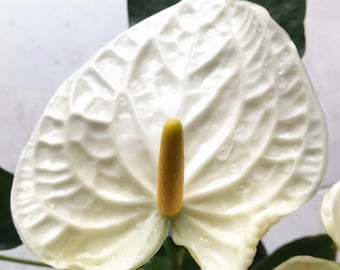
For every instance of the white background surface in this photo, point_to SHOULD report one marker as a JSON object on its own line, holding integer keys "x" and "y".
{"x": 44, "y": 41}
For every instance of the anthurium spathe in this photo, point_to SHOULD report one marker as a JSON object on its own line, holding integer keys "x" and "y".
{"x": 330, "y": 213}
{"x": 250, "y": 147}
{"x": 308, "y": 263}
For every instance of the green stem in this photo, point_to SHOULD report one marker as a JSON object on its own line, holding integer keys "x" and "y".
{"x": 22, "y": 261}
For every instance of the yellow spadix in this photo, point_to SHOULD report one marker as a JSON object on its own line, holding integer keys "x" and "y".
{"x": 171, "y": 168}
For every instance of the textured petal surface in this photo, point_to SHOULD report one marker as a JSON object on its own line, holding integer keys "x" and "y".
{"x": 260, "y": 153}
{"x": 330, "y": 213}
{"x": 308, "y": 263}
{"x": 84, "y": 191}
{"x": 77, "y": 201}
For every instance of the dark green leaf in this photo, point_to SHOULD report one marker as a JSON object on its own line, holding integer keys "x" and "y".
{"x": 260, "y": 255}
{"x": 179, "y": 256}
{"x": 158, "y": 263}
{"x": 6, "y": 179}
{"x": 174, "y": 257}
{"x": 141, "y": 9}
{"x": 320, "y": 246}
{"x": 189, "y": 263}
{"x": 8, "y": 235}
{"x": 171, "y": 257}
{"x": 290, "y": 14}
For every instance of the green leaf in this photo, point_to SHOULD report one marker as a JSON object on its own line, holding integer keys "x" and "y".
{"x": 290, "y": 14}
{"x": 173, "y": 257}
{"x": 9, "y": 237}
{"x": 22, "y": 261}
{"x": 6, "y": 179}
{"x": 260, "y": 255}
{"x": 141, "y": 9}
{"x": 189, "y": 263}
{"x": 158, "y": 263}
{"x": 320, "y": 246}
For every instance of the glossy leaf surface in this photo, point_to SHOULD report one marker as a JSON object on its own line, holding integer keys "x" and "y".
{"x": 290, "y": 14}
{"x": 320, "y": 246}
{"x": 171, "y": 256}
{"x": 8, "y": 234}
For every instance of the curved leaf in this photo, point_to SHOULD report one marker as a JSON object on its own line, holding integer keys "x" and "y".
{"x": 158, "y": 263}
{"x": 141, "y": 9}
{"x": 320, "y": 246}
{"x": 9, "y": 237}
{"x": 290, "y": 14}
{"x": 171, "y": 256}
{"x": 260, "y": 255}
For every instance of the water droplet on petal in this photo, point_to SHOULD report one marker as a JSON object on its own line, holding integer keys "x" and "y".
{"x": 122, "y": 101}
{"x": 259, "y": 174}
{"x": 282, "y": 83}
{"x": 137, "y": 87}
{"x": 51, "y": 204}
{"x": 235, "y": 169}
{"x": 268, "y": 63}
{"x": 242, "y": 187}
{"x": 284, "y": 56}
{"x": 326, "y": 212}
{"x": 280, "y": 71}
{"x": 140, "y": 225}
{"x": 224, "y": 152}
{"x": 203, "y": 239}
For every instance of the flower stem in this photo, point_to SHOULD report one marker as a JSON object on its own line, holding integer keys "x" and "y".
{"x": 22, "y": 261}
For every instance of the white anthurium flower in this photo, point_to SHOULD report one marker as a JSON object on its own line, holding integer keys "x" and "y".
{"x": 330, "y": 213}
{"x": 308, "y": 263}
{"x": 254, "y": 143}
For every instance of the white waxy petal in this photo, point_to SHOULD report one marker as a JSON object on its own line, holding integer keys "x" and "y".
{"x": 260, "y": 152}
{"x": 77, "y": 202}
{"x": 84, "y": 194}
{"x": 307, "y": 263}
{"x": 330, "y": 213}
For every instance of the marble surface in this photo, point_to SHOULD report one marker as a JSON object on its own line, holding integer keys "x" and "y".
{"x": 42, "y": 42}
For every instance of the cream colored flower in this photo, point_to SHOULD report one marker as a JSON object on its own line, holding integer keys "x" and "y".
{"x": 84, "y": 195}
{"x": 308, "y": 263}
{"x": 330, "y": 213}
